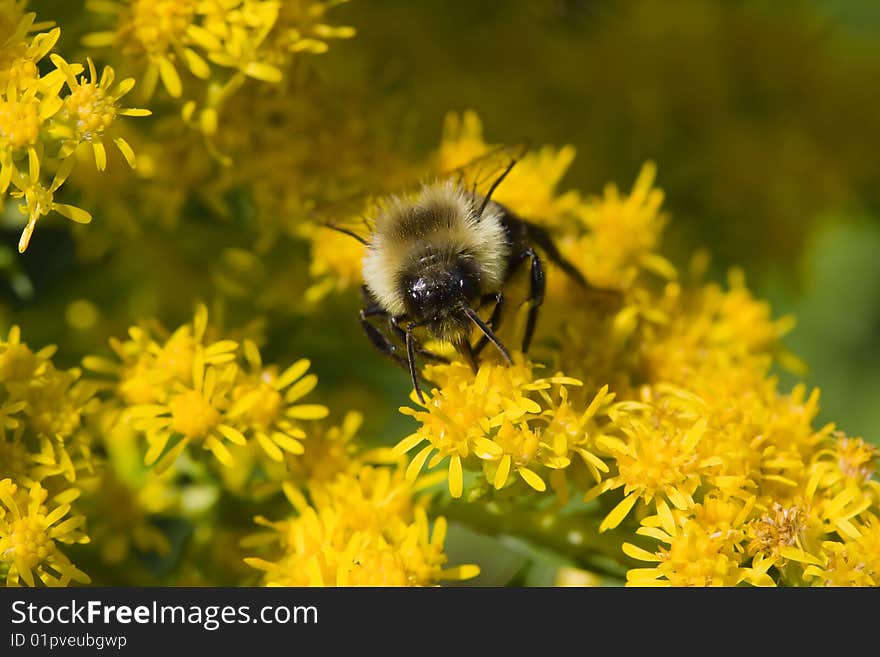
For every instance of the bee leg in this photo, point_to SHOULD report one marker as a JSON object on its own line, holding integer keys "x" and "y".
{"x": 536, "y": 295}
{"x": 494, "y": 318}
{"x": 394, "y": 324}
{"x": 378, "y": 339}
{"x": 542, "y": 238}
{"x": 536, "y": 288}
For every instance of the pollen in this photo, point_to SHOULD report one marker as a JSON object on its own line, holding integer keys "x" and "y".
{"x": 17, "y": 71}
{"x": 90, "y": 109}
{"x": 29, "y": 543}
{"x": 19, "y": 122}
{"x": 53, "y": 418}
{"x": 192, "y": 415}
{"x": 782, "y": 527}
{"x": 856, "y": 458}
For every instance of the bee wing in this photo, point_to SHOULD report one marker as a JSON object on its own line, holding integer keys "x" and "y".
{"x": 352, "y": 214}
{"x": 480, "y": 174}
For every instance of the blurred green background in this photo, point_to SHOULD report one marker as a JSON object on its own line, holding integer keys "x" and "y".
{"x": 761, "y": 115}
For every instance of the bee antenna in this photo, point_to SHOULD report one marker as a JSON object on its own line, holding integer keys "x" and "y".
{"x": 495, "y": 184}
{"x": 475, "y": 318}
{"x": 345, "y": 231}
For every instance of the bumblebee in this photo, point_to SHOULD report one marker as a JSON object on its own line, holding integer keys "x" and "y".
{"x": 434, "y": 259}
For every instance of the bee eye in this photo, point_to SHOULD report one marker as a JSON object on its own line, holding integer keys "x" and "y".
{"x": 468, "y": 285}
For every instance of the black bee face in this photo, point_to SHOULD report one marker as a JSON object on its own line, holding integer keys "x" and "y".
{"x": 436, "y": 291}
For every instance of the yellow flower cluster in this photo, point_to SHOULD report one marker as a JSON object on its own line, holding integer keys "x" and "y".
{"x": 361, "y": 528}
{"x": 668, "y": 400}
{"x": 645, "y": 428}
{"x": 45, "y": 446}
{"x": 42, "y": 125}
{"x": 30, "y": 525}
{"x": 43, "y": 412}
{"x": 205, "y": 51}
{"x": 180, "y": 389}
{"x": 509, "y": 423}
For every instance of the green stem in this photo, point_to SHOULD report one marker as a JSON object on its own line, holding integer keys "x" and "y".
{"x": 574, "y": 535}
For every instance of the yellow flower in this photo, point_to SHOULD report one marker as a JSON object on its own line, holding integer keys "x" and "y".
{"x": 233, "y": 36}
{"x": 39, "y": 200}
{"x": 158, "y": 31}
{"x": 849, "y": 463}
{"x": 361, "y": 529}
{"x": 620, "y": 234}
{"x": 704, "y": 546}
{"x": 23, "y": 115}
{"x": 335, "y": 265}
{"x": 694, "y": 557}
{"x": 89, "y": 111}
{"x": 43, "y": 408}
{"x": 19, "y": 57}
{"x": 301, "y": 28}
{"x": 183, "y": 390}
{"x": 28, "y": 535}
{"x": 335, "y": 449}
{"x": 191, "y": 415}
{"x": 658, "y": 461}
{"x": 18, "y": 364}
{"x": 854, "y": 562}
{"x": 151, "y": 366}
{"x": 264, "y": 404}
{"x": 486, "y": 418}
{"x": 462, "y": 141}
{"x": 781, "y": 535}
{"x": 254, "y": 38}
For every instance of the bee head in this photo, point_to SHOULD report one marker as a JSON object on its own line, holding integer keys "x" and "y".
{"x": 434, "y": 291}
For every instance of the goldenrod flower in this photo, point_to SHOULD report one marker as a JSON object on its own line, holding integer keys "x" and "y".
{"x": 28, "y": 535}
{"x": 23, "y": 115}
{"x": 498, "y": 417}
{"x": 183, "y": 391}
{"x": 18, "y": 364}
{"x": 336, "y": 263}
{"x": 620, "y": 234}
{"x": 694, "y": 557}
{"x": 19, "y": 57}
{"x": 191, "y": 415}
{"x": 43, "y": 409}
{"x": 461, "y": 142}
{"x": 254, "y": 38}
{"x": 264, "y": 404}
{"x": 849, "y": 463}
{"x": 39, "y": 200}
{"x": 854, "y": 562}
{"x": 89, "y": 110}
{"x": 156, "y": 30}
{"x": 658, "y": 461}
{"x": 360, "y": 529}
